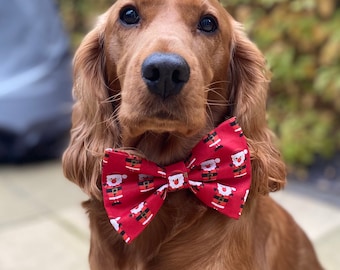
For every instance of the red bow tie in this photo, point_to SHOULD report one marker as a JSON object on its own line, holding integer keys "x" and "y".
{"x": 218, "y": 172}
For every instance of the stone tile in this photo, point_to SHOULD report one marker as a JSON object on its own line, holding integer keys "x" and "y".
{"x": 29, "y": 191}
{"x": 43, "y": 184}
{"x": 42, "y": 244}
{"x": 75, "y": 221}
{"x": 328, "y": 248}
{"x": 15, "y": 205}
{"x": 319, "y": 216}
{"x": 42, "y": 225}
{"x": 311, "y": 214}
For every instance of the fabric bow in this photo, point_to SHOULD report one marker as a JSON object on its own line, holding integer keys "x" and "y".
{"x": 218, "y": 172}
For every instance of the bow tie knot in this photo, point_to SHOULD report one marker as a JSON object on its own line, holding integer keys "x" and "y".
{"x": 177, "y": 182}
{"x": 218, "y": 172}
{"x": 176, "y": 176}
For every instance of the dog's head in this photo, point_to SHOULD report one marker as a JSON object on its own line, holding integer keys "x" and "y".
{"x": 156, "y": 76}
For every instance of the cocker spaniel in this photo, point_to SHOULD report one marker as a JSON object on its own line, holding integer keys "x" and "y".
{"x": 151, "y": 80}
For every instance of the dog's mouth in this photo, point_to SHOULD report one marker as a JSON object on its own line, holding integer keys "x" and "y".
{"x": 161, "y": 116}
{"x": 162, "y": 122}
{"x": 165, "y": 116}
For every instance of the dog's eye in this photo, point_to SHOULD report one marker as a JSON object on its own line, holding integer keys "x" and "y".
{"x": 129, "y": 15}
{"x": 207, "y": 24}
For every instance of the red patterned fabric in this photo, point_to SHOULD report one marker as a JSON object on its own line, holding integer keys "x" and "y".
{"x": 218, "y": 172}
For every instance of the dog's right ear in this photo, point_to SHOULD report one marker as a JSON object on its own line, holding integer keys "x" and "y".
{"x": 249, "y": 81}
{"x": 93, "y": 127}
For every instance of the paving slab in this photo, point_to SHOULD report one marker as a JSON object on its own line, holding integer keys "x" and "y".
{"x": 328, "y": 248}
{"x": 42, "y": 243}
{"x": 318, "y": 213}
{"x": 42, "y": 225}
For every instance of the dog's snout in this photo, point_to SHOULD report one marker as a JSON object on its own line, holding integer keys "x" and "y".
{"x": 165, "y": 73}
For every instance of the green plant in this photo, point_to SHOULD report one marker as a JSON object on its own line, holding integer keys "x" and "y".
{"x": 301, "y": 41}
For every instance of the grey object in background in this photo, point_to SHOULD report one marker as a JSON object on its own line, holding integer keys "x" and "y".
{"x": 35, "y": 81}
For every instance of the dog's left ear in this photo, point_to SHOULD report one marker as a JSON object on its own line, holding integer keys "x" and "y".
{"x": 249, "y": 80}
{"x": 93, "y": 125}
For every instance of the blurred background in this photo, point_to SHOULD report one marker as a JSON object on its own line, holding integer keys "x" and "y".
{"x": 301, "y": 42}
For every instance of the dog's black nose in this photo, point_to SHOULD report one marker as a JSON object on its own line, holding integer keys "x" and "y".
{"x": 165, "y": 73}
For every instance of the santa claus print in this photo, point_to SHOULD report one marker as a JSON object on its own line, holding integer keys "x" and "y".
{"x": 234, "y": 124}
{"x": 141, "y": 213}
{"x": 210, "y": 164}
{"x": 222, "y": 195}
{"x": 106, "y": 156}
{"x": 133, "y": 163}
{"x": 162, "y": 191}
{"x": 209, "y": 169}
{"x": 177, "y": 181}
{"x": 244, "y": 199}
{"x": 118, "y": 227}
{"x": 113, "y": 187}
{"x": 145, "y": 182}
{"x": 196, "y": 186}
{"x": 213, "y": 140}
{"x": 239, "y": 163}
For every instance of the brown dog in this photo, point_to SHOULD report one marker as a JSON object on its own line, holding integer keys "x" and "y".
{"x": 215, "y": 72}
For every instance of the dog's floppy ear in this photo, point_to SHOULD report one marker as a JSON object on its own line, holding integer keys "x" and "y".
{"x": 91, "y": 131}
{"x": 248, "y": 88}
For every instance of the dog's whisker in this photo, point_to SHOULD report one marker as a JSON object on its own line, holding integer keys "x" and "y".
{"x": 113, "y": 98}
{"x": 209, "y": 116}
{"x": 217, "y": 82}
{"x": 114, "y": 115}
{"x": 210, "y": 104}
{"x": 118, "y": 78}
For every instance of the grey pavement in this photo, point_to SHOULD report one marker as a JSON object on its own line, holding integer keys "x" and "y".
{"x": 42, "y": 225}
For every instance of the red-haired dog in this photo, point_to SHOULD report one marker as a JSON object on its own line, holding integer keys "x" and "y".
{"x": 156, "y": 76}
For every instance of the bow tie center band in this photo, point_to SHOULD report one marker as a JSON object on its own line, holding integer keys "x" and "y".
{"x": 218, "y": 172}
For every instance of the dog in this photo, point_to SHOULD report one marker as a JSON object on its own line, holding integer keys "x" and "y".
{"x": 153, "y": 78}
